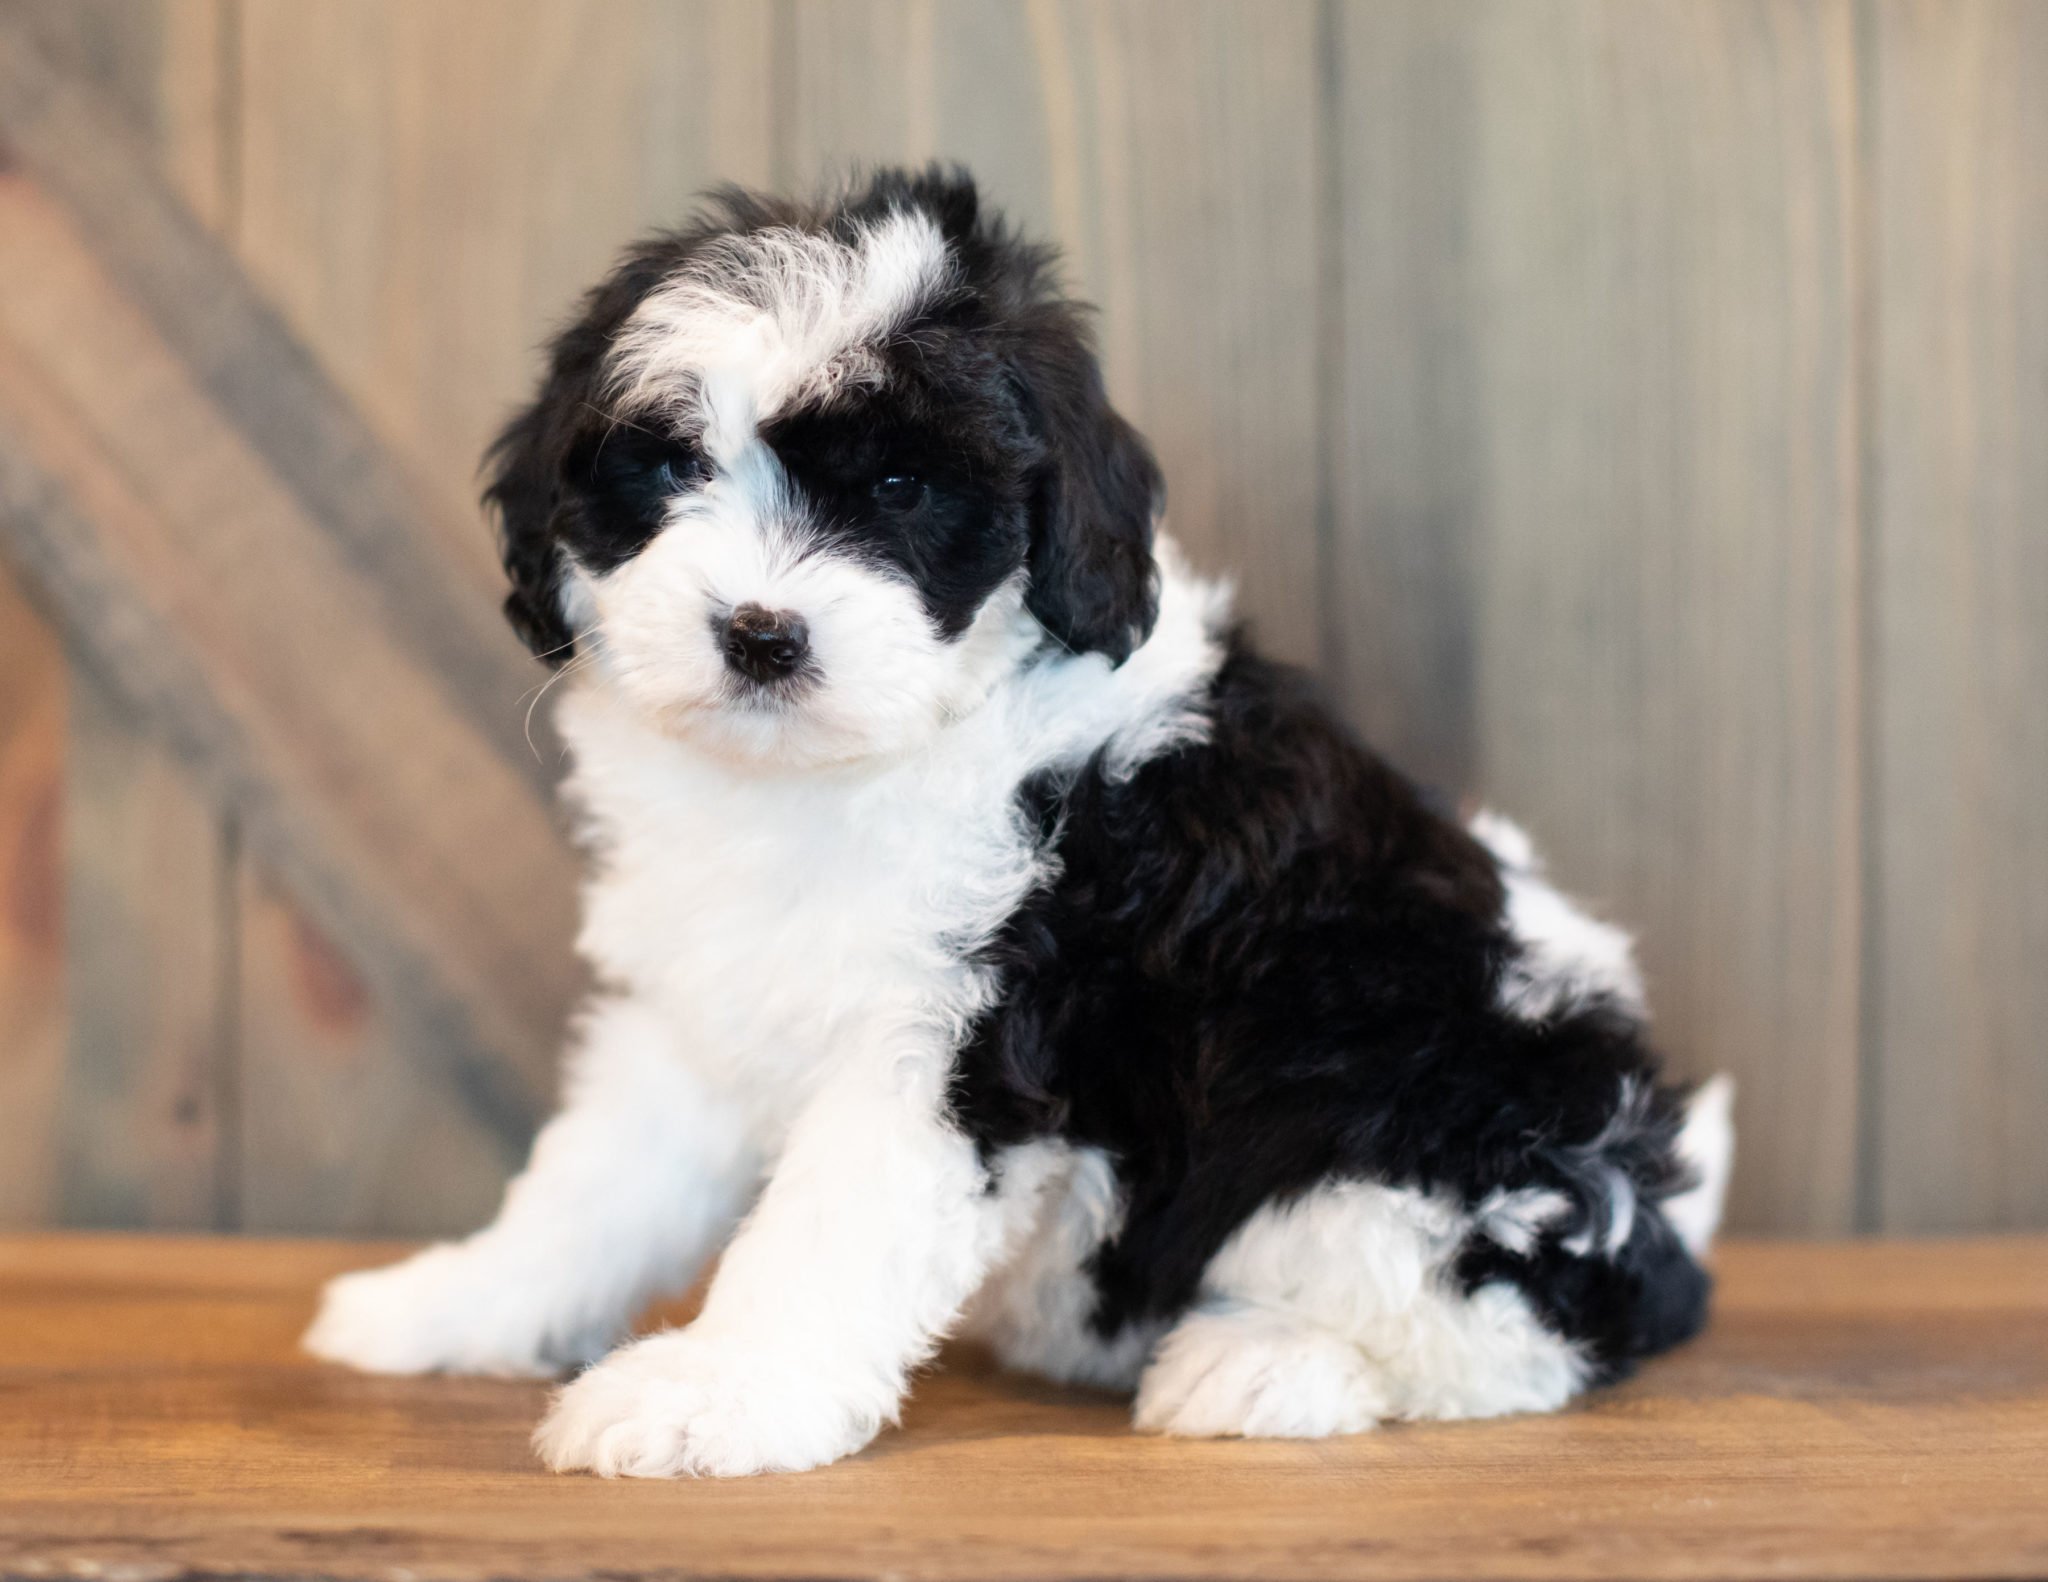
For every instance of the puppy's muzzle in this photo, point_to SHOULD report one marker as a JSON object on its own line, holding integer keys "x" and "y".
{"x": 765, "y": 646}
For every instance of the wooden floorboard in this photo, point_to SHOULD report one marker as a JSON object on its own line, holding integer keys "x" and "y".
{"x": 1856, "y": 1410}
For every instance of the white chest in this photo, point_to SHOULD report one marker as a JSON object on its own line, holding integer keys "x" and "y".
{"x": 782, "y": 922}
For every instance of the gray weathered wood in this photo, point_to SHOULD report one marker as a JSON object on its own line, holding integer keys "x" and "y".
{"x": 1959, "y": 997}
{"x": 1509, "y": 351}
{"x": 1596, "y": 523}
{"x": 147, "y": 1120}
{"x": 427, "y": 189}
{"x": 224, "y": 611}
{"x": 188, "y": 286}
{"x": 32, "y": 999}
{"x": 140, "y": 1128}
{"x": 348, "y": 1125}
{"x": 475, "y": 181}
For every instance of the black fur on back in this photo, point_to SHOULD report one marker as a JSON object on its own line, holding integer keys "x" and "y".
{"x": 1265, "y": 963}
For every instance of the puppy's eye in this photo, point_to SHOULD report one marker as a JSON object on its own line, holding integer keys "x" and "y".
{"x": 898, "y": 491}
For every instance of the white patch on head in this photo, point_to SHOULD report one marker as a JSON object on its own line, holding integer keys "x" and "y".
{"x": 1564, "y": 958}
{"x": 756, "y": 322}
{"x": 1341, "y": 1309}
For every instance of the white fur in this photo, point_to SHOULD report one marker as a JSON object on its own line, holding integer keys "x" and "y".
{"x": 630, "y": 1188}
{"x": 754, "y": 323}
{"x": 1564, "y": 958}
{"x": 1340, "y": 1310}
{"x": 1035, "y": 1310}
{"x": 785, "y": 898}
{"x": 1707, "y": 1144}
{"x": 787, "y": 958}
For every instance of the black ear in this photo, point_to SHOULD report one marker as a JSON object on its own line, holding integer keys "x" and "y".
{"x": 1094, "y": 585}
{"x": 523, "y": 493}
{"x": 524, "y": 465}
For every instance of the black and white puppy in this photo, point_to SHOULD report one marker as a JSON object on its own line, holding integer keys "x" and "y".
{"x": 989, "y": 940}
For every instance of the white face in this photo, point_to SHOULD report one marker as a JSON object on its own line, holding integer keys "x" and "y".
{"x": 877, "y": 678}
{"x": 749, "y": 623}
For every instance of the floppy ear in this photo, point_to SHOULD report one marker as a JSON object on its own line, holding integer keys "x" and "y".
{"x": 1094, "y": 585}
{"x": 524, "y": 464}
{"x": 522, "y": 491}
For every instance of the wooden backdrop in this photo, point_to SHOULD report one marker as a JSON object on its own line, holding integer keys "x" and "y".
{"x": 1637, "y": 411}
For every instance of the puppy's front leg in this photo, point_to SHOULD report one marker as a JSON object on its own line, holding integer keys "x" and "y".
{"x": 874, "y": 1229}
{"x": 630, "y": 1188}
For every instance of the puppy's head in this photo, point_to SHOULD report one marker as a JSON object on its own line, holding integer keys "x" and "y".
{"x": 803, "y": 481}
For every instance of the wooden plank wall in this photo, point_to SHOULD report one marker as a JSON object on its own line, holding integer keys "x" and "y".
{"x": 1628, "y": 406}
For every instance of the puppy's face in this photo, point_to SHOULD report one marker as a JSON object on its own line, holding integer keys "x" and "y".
{"x": 802, "y": 484}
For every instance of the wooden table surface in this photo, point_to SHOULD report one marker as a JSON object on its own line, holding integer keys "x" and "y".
{"x": 1876, "y": 1409}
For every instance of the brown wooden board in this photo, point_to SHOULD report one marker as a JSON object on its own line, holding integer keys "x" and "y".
{"x": 347, "y": 1126}
{"x": 427, "y": 189}
{"x": 221, "y": 609}
{"x": 1958, "y": 998}
{"x": 32, "y": 998}
{"x": 1874, "y": 1410}
{"x": 1596, "y": 532}
{"x": 142, "y": 1131}
{"x": 147, "y": 1120}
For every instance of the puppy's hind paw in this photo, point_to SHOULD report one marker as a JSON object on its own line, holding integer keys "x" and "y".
{"x": 1259, "y": 1376}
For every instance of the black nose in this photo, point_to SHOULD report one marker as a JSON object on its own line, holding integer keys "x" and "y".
{"x": 765, "y": 645}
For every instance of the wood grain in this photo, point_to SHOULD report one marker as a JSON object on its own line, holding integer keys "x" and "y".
{"x": 349, "y": 1126}
{"x": 1855, "y": 1410}
{"x": 222, "y": 609}
{"x": 144, "y": 1122}
{"x": 1629, "y": 405}
{"x": 1960, "y": 757}
{"x": 1171, "y": 150}
{"x": 178, "y": 275}
{"x": 1596, "y": 532}
{"x": 33, "y": 700}
{"x": 147, "y": 1117}
{"x": 427, "y": 190}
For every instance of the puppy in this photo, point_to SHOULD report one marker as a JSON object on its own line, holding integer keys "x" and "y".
{"x": 989, "y": 940}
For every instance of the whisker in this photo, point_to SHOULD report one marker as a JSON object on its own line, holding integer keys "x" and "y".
{"x": 579, "y": 663}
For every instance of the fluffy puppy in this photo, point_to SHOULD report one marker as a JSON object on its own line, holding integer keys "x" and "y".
{"x": 988, "y": 938}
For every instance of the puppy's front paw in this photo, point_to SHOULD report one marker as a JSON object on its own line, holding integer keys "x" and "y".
{"x": 443, "y": 1310}
{"x": 684, "y": 1403}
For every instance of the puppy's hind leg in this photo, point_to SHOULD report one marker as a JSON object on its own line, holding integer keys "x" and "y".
{"x": 629, "y": 1190}
{"x": 1341, "y": 1309}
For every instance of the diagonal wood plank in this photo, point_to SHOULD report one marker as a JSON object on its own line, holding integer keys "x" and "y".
{"x": 145, "y": 1120}
{"x": 480, "y": 164}
{"x": 196, "y": 299}
{"x": 223, "y": 610}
